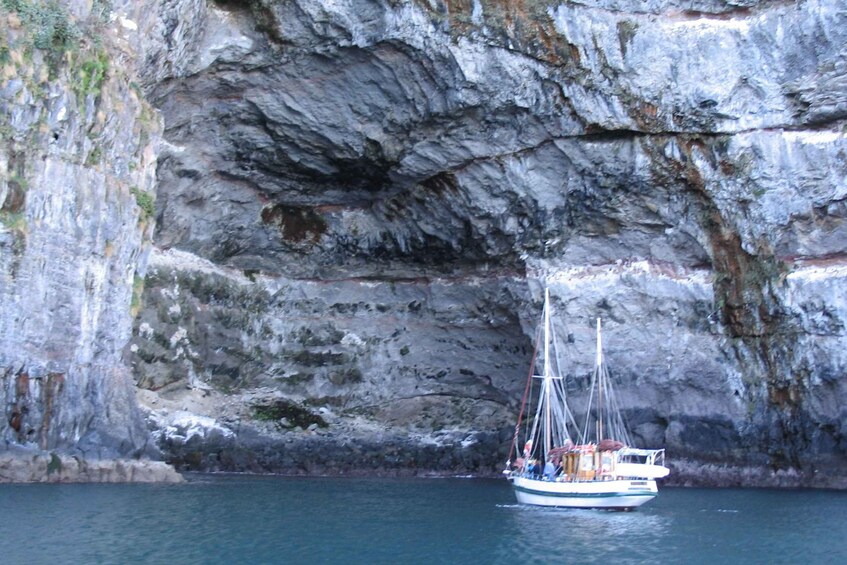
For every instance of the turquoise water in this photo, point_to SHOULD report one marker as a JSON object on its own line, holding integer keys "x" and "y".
{"x": 344, "y": 520}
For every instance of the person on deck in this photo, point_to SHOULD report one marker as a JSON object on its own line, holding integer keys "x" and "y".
{"x": 549, "y": 471}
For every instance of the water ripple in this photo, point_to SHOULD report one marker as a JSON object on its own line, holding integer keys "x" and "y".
{"x": 285, "y": 520}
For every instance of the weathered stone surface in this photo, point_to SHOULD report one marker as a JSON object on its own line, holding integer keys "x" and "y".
{"x": 77, "y": 170}
{"x": 676, "y": 168}
{"x": 22, "y": 466}
{"x": 359, "y": 202}
{"x": 357, "y": 358}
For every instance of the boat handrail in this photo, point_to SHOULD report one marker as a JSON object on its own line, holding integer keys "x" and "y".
{"x": 641, "y": 452}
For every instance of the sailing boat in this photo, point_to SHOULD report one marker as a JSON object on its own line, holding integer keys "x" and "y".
{"x": 600, "y": 469}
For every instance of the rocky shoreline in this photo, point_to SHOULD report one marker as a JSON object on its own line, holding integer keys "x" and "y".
{"x": 684, "y": 474}
{"x": 42, "y": 467}
{"x": 194, "y": 444}
{"x": 316, "y": 456}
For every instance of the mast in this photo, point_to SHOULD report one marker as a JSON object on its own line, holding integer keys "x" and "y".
{"x": 599, "y": 368}
{"x": 547, "y": 415}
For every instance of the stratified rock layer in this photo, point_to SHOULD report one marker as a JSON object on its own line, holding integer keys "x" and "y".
{"x": 364, "y": 178}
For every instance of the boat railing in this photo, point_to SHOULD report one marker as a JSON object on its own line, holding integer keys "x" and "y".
{"x": 650, "y": 455}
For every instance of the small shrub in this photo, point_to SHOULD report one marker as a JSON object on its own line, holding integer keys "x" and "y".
{"x": 54, "y": 465}
{"x": 102, "y": 9}
{"x": 94, "y": 157}
{"x": 14, "y": 221}
{"x": 48, "y": 23}
{"x": 92, "y": 74}
{"x": 295, "y": 414}
{"x": 137, "y": 292}
{"x": 145, "y": 201}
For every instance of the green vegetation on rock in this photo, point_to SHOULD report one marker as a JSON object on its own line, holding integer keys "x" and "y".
{"x": 15, "y": 221}
{"x": 54, "y": 465}
{"x": 94, "y": 157}
{"x": 48, "y": 23}
{"x": 146, "y": 202}
{"x": 294, "y": 414}
{"x": 137, "y": 292}
{"x": 102, "y": 9}
{"x": 91, "y": 74}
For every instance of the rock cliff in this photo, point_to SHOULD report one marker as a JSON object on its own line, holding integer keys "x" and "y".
{"x": 77, "y": 173}
{"x": 358, "y": 204}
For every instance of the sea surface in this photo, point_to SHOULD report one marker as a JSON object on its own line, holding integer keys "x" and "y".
{"x": 241, "y": 519}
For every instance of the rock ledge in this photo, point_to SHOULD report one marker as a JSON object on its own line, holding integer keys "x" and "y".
{"x": 41, "y": 467}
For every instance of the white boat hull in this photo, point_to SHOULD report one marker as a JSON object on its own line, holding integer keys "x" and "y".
{"x": 617, "y": 494}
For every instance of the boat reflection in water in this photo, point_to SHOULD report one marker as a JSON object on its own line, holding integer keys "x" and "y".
{"x": 578, "y": 536}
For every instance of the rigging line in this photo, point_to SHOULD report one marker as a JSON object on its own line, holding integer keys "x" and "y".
{"x": 547, "y": 367}
{"x": 525, "y": 393}
{"x": 569, "y": 420}
{"x": 616, "y": 407}
{"x": 586, "y": 435}
{"x": 528, "y": 433}
{"x": 537, "y": 421}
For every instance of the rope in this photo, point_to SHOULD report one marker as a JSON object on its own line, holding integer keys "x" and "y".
{"x": 525, "y": 393}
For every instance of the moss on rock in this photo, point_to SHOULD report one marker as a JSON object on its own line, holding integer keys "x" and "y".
{"x": 294, "y": 414}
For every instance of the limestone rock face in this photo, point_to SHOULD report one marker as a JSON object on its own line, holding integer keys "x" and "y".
{"x": 360, "y": 202}
{"x": 377, "y": 192}
{"x": 327, "y": 376}
{"x": 77, "y": 171}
